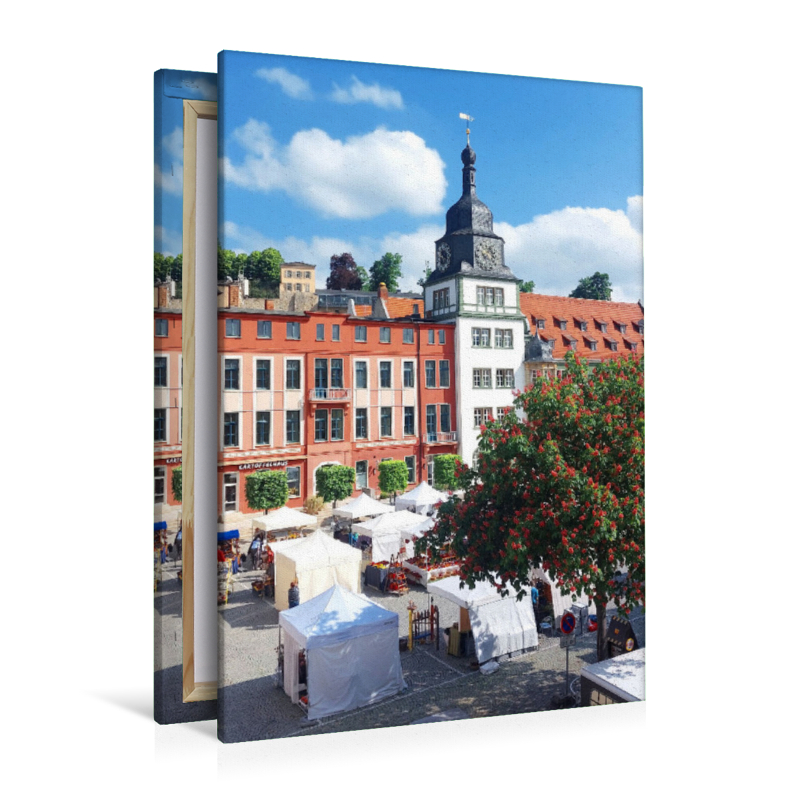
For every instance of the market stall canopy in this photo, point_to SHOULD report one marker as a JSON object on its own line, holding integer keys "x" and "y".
{"x": 159, "y": 526}
{"x": 421, "y": 498}
{"x": 351, "y": 649}
{"x": 283, "y": 519}
{"x": 317, "y": 563}
{"x": 388, "y": 533}
{"x": 362, "y": 506}
{"x": 500, "y": 625}
{"x": 224, "y": 536}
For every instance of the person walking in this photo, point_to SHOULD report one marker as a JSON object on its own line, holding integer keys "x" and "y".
{"x": 294, "y": 595}
{"x": 535, "y": 603}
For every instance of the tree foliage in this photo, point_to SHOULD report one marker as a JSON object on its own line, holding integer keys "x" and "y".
{"x": 177, "y": 484}
{"x": 596, "y": 287}
{"x": 445, "y": 467}
{"x": 425, "y": 275}
{"x": 335, "y": 482}
{"x": 261, "y": 267}
{"x": 266, "y": 489}
{"x": 392, "y": 476}
{"x": 386, "y": 270}
{"x": 344, "y": 273}
{"x": 167, "y": 267}
{"x": 559, "y": 484}
{"x": 527, "y": 286}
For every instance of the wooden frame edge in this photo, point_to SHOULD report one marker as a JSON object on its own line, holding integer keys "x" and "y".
{"x": 192, "y": 111}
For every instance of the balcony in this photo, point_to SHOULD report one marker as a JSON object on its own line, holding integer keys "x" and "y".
{"x": 330, "y": 396}
{"x": 441, "y": 438}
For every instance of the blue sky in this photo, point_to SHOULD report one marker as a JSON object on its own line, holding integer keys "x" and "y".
{"x": 319, "y": 157}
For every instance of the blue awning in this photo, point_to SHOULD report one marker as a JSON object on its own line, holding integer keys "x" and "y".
{"x": 223, "y": 536}
{"x": 159, "y": 526}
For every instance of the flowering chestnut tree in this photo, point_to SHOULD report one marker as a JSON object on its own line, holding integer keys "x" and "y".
{"x": 559, "y": 484}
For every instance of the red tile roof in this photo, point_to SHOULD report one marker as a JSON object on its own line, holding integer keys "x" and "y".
{"x": 404, "y": 306}
{"x": 547, "y": 307}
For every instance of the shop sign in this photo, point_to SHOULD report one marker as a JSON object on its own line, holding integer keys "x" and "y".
{"x": 264, "y": 465}
{"x": 173, "y": 460}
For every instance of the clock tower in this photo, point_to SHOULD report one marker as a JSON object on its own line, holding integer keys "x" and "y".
{"x": 473, "y": 287}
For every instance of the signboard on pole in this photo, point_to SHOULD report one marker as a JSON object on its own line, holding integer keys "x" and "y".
{"x": 567, "y": 623}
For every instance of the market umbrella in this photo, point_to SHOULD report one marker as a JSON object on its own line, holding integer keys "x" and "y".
{"x": 420, "y": 498}
{"x": 362, "y": 506}
{"x": 284, "y": 518}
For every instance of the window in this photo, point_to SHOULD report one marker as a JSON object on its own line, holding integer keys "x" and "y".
{"x": 264, "y": 329}
{"x": 337, "y": 425}
{"x": 233, "y": 328}
{"x": 231, "y": 373}
{"x": 320, "y": 425}
{"x": 289, "y": 273}
{"x": 444, "y": 374}
{"x": 444, "y": 418}
{"x": 361, "y": 474}
{"x": 431, "y": 336}
{"x": 386, "y": 374}
{"x": 612, "y": 345}
{"x": 361, "y": 374}
{"x": 504, "y": 337}
{"x": 481, "y": 379}
{"x": 160, "y": 475}
{"x": 601, "y": 326}
{"x": 480, "y": 337}
{"x": 337, "y": 373}
{"x": 429, "y": 465}
{"x": 321, "y": 376}
{"x": 430, "y": 374}
{"x": 630, "y": 345}
{"x": 336, "y": 332}
{"x": 160, "y": 424}
{"x": 592, "y": 344}
{"x": 293, "y": 481}
{"x": 298, "y": 287}
{"x": 320, "y": 332}
{"x": 308, "y": 276}
{"x": 540, "y": 324}
{"x": 229, "y": 487}
{"x": 411, "y": 463}
{"x": 292, "y": 427}
{"x": 292, "y": 373}
{"x": 430, "y": 422}
{"x": 160, "y": 371}
{"x": 162, "y": 327}
{"x": 639, "y": 326}
{"x": 386, "y": 335}
{"x": 481, "y": 416}
{"x": 231, "y": 429}
{"x": 386, "y": 421}
{"x": 441, "y": 337}
{"x": 621, "y": 327}
{"x": 361, "y": 423}
{"x": 408, "y": 336}
{"x": 361, "y": 333}
{"x": 408, "y": 374}
{"x": 441, "y": 299}
{"x": 562, "y": 323}
{"x": 408, "y": 421}
{"x": 504, "y": 378}
{"x": 489, "y": 296}
{"x": 292, "y": 330}
{"x": 501, "y": 412}
{"x": 263, "y": 376}
{"x": 263, "y": 427}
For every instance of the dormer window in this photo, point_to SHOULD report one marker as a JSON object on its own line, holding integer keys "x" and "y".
{"x": 571, "y": 342}
{"x": 611, "y": 344}
{"x": 560, "y": 323}
{"x": 601, "y": 325}
{"x": 590, "y": 343}
{"x": 580, "y": 324}
{"x": 540, "y": 324}
{"x": 621, "y": 327}
{"x": 639, "y": 326}
{"x": 632, "y": 346}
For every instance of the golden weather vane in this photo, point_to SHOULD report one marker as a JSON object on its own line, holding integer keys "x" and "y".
{"x": 469, "y": 119}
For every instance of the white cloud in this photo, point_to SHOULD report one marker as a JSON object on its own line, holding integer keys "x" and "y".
{"x": 557, "y": 249}
{"x": 172, "y": 181}
{"x": 359, "y": 92}
{"x": 358, "y": 178}
{"x": 167, "y": 241}
{"x": 291, "y": 84}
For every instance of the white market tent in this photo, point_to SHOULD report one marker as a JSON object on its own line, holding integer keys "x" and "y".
{"x": 283, "y": 519}
{"x": 561, "y": 602}
{"x": 316, "y": 563}
{"x": 362, "y": 506}
{"x": 387, "y": 532}
{"x": 500, "y": 625}
{"x": 352, "y": 652}
{"x": 421, "y": 499}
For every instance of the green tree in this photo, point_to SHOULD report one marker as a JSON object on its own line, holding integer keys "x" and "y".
{"x": 335, "y": 482}
{"x": 159, "y": 267}
{"x": 386, "y": 270}
{"x": 224, "y": 262}
{"x": 424, "y": 279}
{"x": 177, "y": 484}
{"x": 597, "y": 287}
{"x": 344, "y": 273}
{"x": 392, "y": 477}
{"x": 527, "y": 286}
{"x": 363, "y": 276}
{"x": 263, "y": 270}
{"x": 445, "y": 467}
{"x": 266, "y": 489}
{"x": 559, "y": 484}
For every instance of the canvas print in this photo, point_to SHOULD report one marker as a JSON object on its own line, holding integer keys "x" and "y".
{"x": 431, "y": 394}
{"x": 171, "y": 88}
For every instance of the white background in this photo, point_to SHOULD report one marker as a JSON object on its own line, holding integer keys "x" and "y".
{"x": 721, "y": 280}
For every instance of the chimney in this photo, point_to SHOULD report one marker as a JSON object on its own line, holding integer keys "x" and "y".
{"x": 163, "y": 295}
{"x": 383, "y": 292}
{"x": 235, "y": 295}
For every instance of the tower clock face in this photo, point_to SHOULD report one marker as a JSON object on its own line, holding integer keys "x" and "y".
{"x": 443, "y": 256}
{"x": 485, "y": 255}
